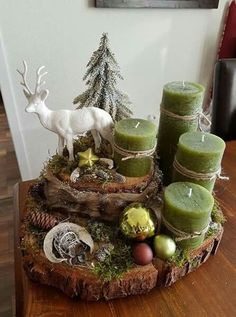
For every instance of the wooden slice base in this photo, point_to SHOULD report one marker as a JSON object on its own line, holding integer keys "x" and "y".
{"x": 79, "y": 281}
{"x": 170, "y": 273}
{"x": 83, "y": 283}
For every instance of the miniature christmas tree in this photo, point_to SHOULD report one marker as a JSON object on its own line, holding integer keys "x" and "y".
{"x": 101, "y": 78}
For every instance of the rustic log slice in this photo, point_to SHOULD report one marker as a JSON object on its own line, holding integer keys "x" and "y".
{"x": 83, "y": 283}
{"x": 169, "y": 273}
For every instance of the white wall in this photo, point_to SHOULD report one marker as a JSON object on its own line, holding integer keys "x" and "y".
{"x": 152, "y": 46}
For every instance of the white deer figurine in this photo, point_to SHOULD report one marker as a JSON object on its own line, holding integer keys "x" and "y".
{"x": 67, "y": 124}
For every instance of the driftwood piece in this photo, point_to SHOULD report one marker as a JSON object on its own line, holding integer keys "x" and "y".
{"x": 97, "y": 203}
{"x": 134, "y": 184}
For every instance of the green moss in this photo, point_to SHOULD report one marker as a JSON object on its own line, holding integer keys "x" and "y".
{"x": 211, "y": 232}
{"x": 102, "y": 232}
{"x": 180, "y": 257}
{"x": 61, "y": 164}
{"x": 116, "y": 264}
{"x": 216, "y": 214}
{"x": 83, "y": 143}
{"x": 34, "y": 205}
{"x": 195, "y": 262}
{"x": 39, "y": 235}
{"x": 87, "y": 141}
{"x": 120, "y": 258}
{"x": 31, "y": 203}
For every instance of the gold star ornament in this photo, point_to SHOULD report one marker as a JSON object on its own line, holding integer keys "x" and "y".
{"x": 87, "y": 158}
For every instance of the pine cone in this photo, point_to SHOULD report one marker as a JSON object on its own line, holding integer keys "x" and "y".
{"x": 42, "y": 220}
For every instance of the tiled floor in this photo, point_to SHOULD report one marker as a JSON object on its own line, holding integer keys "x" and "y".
{"x": 9, "y": 175}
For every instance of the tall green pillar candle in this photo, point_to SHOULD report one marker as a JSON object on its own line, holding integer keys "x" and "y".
{"x": 187, "y": 207}
{"x": 135, "y": 141}
{"x": 198, "y": 158}
{"x": 181, "y": 104}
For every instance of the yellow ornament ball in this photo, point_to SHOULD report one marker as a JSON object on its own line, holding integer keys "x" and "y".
{"x": 138, "y": 222}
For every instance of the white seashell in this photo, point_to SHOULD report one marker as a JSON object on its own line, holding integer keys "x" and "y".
{"x": 82, "y": 233}
{"x": 75, "y": 175}
{"x": 48, "y": 244}
{"x": 108, "y": 162}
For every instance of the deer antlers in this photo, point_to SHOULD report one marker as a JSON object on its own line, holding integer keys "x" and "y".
{"x": 38, "y": 79}
{"x": 24, "y": 83}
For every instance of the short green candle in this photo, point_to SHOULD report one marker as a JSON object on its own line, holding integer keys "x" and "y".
{"x": 134, "y": 135}
{"x": 181, "y": 99}
{"x": 199, "y": 152}
{"x": 187, "y": 207}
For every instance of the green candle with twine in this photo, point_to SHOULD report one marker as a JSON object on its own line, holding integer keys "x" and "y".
{"x": 180, "y": 110}
{"x": 198, "y": 159}
{"x": 134, "y": 146}
{"x": 186, "y": 213}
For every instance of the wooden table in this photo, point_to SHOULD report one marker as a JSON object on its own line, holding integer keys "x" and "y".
{"x": 209, "y": 291}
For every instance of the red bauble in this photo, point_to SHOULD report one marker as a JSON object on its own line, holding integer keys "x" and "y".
{"x": 142, "y": 253}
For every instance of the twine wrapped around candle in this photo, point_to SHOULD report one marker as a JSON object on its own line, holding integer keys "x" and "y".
{"x": 134, "y": 144}
{"x": 129, "y": 154}
{"x": 196, "y": 175}
{"x": 182, "y": 235}
{"x": 197, "y": 116}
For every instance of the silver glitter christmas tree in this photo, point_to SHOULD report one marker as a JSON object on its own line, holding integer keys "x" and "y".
{"x": 101, "y": 78}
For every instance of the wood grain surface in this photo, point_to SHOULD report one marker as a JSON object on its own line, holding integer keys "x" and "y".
{"x": 172, "y": 4}
{"x": 209, "y": 291}
{"x": 9, "y": 171}
{"x": 9, "y": 175}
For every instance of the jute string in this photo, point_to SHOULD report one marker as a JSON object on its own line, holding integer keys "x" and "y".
{"x": 196, "y": 175}
{"x": 182, "y": 235}
{"x": 197, "y": 116}
{"x": 129, "y": 154}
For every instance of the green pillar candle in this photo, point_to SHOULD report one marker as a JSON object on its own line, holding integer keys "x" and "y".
{"x": 136, "y": 136}
{"x": 180, "y": 99}
{"x": 200, "y": 153}
{"x": 187, "y": 207}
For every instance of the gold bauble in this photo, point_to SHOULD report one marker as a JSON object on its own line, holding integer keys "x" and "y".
{"x": 138, "y": 222}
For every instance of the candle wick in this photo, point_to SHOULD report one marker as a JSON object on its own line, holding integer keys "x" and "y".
{"x": 203, "y": 137}
{"x": 137, "y": 125}
{"x": 190, "y": 192}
